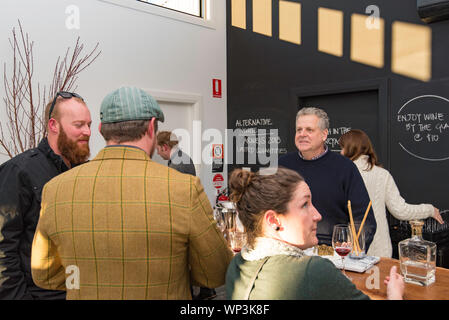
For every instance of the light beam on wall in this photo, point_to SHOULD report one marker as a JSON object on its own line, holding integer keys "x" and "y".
{"x": 411, "y": 54}
{"x": 367, "y": 40}
{"x": 238, "y": 13}
{"x": 290, "y": 21}
{"x": 330, "y": 31}
{"x": 262, "y": 17}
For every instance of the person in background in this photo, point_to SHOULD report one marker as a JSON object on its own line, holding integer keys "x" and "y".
{"x": 124, "y": 226}
{"x": 66, "y": 144}
{"x": 280, "y": 223}
{"x": 332, "y": 178}
{"x": 357, "y": 146}
{"x": 167, "y": 148}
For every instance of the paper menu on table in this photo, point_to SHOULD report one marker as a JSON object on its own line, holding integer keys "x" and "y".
{"x": 356, "y": 265}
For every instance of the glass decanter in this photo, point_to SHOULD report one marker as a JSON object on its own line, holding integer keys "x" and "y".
{"x": 418, "y": 257}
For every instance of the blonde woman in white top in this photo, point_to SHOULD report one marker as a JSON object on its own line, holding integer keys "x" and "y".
{"x": 382, "y": 191}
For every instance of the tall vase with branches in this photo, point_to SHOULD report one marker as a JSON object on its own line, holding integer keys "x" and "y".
{"x": 25, "y": 100}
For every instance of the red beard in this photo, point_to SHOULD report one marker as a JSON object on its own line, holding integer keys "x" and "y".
{"x": 71, "y": 150}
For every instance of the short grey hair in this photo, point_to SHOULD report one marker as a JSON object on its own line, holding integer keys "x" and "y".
{"x": 320, "y": 113}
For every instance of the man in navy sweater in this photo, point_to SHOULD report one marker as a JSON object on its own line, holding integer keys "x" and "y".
{"x": 332, "y": 178}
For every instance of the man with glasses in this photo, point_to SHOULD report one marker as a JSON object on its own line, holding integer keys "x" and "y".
{"x": 22, "y": 179}
{"x": 125, "y": 226}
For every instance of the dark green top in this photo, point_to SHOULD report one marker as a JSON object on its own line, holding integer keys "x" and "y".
{"x": 285, "y": 277}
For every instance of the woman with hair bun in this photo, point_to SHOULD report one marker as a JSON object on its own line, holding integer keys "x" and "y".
{"x": 382, "y": 190}
{"x": 280, "y": 222}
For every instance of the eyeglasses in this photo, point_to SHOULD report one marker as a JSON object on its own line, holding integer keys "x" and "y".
{"x": 65, "y": 95}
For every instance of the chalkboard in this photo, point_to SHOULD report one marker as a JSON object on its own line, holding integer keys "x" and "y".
{"x": 420, "y": 142}
{"x": 258, "y": 137}
{"x": 424, "y": 121}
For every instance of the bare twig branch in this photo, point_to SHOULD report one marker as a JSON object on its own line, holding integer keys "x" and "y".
{"x": 24, "y": 106}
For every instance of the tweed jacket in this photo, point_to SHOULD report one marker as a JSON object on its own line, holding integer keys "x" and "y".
{"x": 126, "y": 227}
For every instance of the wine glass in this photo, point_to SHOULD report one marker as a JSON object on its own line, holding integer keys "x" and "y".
{"x": 237, "y": 240}
{"x": 342, "y": 242}
{"x": 221, "y": 223}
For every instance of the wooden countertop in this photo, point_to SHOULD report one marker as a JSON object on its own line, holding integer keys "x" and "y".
{"x": 366, "y": 282}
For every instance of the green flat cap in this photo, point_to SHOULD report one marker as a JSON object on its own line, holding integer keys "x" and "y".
{"x": 128, "y": 104}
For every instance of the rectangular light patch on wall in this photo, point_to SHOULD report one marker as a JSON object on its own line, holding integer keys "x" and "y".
{"x": 411, "y": 50}
{"x": 330, "y": 31}
{"x": 238, "y": 13}
{"x": 367, "y": 40}
{"x": 290, "y": 21}
{"x": 262, "y": 17}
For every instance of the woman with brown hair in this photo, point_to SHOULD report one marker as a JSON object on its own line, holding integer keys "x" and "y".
{"x": 383, "y": 192}
{"x": 280, "y": 222}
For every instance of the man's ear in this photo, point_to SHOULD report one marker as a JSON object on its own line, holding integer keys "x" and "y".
{"x": 325, "y": 133}
{"x": 151, "y": 127}
{"x": 99, "y": 127}
{"x": 53, "y": 126}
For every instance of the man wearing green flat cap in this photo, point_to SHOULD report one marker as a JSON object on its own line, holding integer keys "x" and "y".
{"x": 123, "y": 226}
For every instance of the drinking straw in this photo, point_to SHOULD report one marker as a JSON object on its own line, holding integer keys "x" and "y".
{"x": 363, "y": 221}
{"x": 356, "y": 239}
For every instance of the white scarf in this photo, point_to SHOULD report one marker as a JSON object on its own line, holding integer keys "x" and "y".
{"x": 267, "y": 247}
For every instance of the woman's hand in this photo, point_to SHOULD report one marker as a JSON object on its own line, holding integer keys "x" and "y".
{"x": 437, "y": 216}
{"x": 395, "y": 285}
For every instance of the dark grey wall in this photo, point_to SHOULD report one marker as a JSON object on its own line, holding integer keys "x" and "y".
{"x": 266, "y": 75}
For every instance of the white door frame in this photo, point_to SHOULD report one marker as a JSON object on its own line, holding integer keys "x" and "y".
{"x": 189, "y": 99}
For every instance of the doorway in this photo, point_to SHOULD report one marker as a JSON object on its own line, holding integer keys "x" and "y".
{"x": 360, "y": 105}
{"x": 346, "y": 111}
{"x": 182, "y": 113}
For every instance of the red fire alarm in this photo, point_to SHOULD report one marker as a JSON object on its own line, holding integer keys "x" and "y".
{"x": 216, "y": 88}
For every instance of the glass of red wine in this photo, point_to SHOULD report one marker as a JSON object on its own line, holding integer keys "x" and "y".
{"x": 342, "y": 242}
{"x": 237, "y": 240}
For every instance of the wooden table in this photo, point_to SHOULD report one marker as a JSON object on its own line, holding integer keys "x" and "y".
{"x": 439, "y": 290}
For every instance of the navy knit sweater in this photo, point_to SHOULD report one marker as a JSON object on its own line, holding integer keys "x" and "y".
{"x": 333, "y": 180}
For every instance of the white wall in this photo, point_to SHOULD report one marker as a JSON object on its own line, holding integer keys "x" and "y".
{"x": 138, "y": 48}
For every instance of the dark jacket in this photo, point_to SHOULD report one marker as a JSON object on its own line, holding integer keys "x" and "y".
{"x": 21, "y": 182}
{"x": 182, "y": 162}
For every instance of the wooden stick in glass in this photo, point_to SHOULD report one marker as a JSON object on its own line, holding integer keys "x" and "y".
{"x": 363, "y": 221}
{"x": 356, "y": 240}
